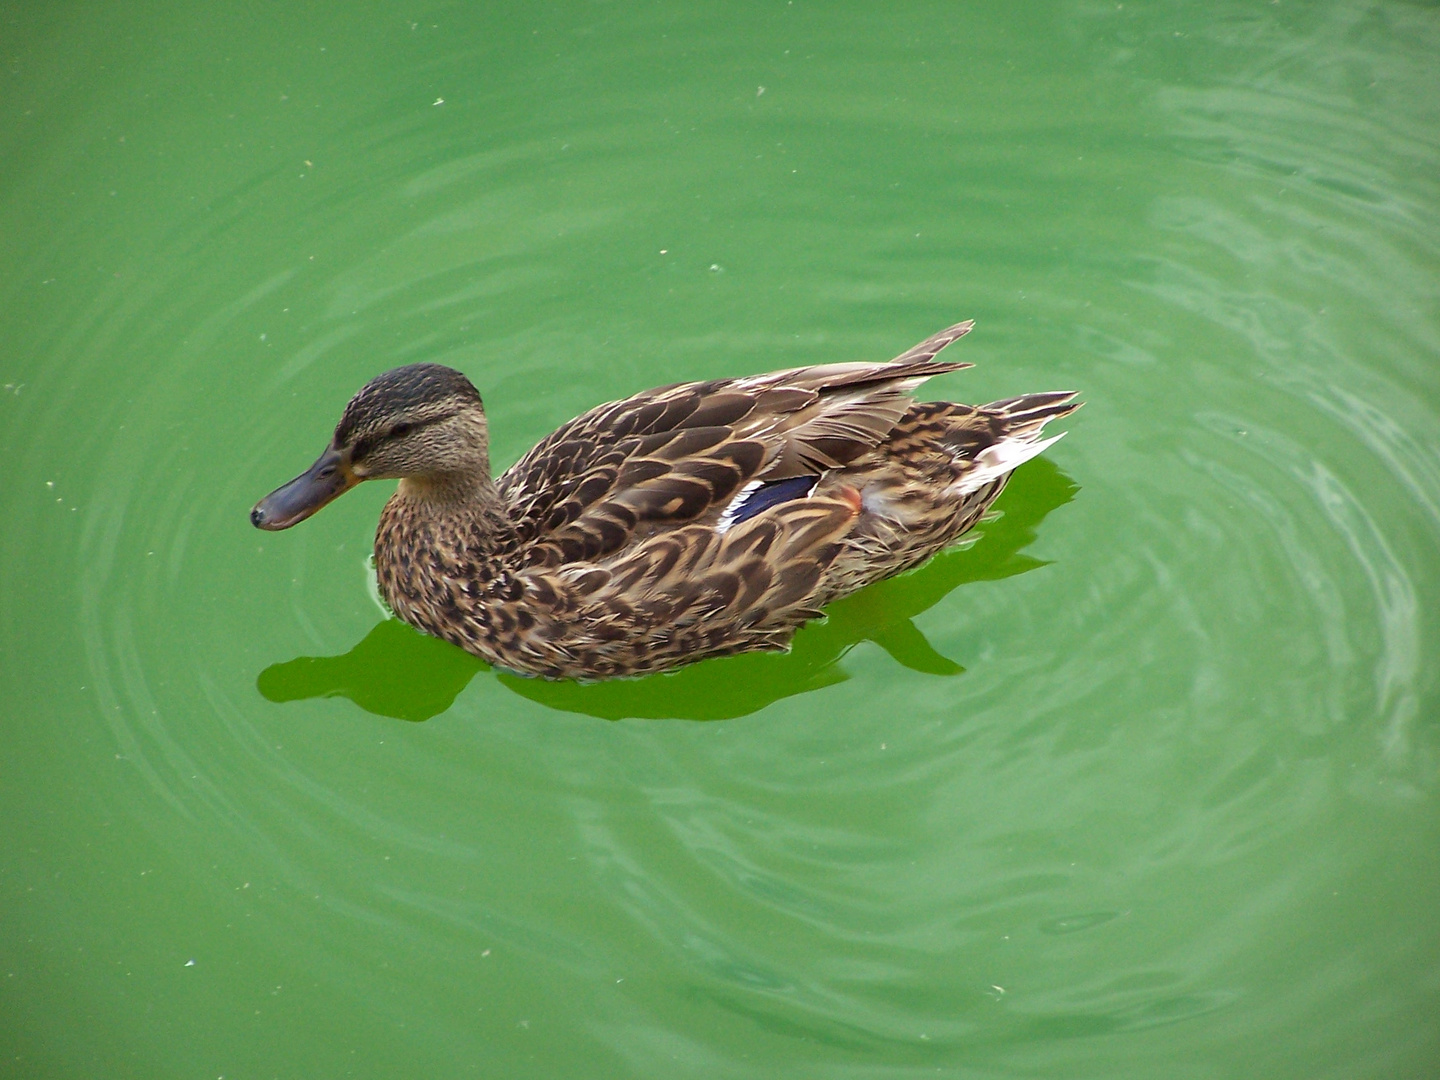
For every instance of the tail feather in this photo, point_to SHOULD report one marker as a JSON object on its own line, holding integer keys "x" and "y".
{"x": 1004, "y": 457}
{"x": 1028, "y": 408}
{"x": 1024, "y": 420}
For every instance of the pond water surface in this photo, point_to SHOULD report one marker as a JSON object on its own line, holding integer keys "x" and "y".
{"x": 1140, "y": 783}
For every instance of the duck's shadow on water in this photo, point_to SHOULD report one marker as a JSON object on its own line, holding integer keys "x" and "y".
{"x": 396, "y": 671}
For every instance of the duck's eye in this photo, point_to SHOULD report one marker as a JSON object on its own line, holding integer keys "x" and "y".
{"x": 399, "y": 431}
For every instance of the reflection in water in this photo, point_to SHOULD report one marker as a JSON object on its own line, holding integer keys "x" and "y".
{"x": 396, "y": 671}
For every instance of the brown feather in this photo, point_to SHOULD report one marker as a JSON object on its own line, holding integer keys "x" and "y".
{"x": 622, "y": 543}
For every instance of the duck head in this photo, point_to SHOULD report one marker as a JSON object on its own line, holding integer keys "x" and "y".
{"x": 423, "y": 423}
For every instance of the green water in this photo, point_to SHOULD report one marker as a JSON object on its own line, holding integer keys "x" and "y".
{"x": 1143, "y": 783}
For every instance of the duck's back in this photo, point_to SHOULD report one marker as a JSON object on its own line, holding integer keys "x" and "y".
{"x": 681, "y": 453}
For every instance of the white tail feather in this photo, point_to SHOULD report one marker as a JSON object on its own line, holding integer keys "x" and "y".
{"x": 995, "y": 462}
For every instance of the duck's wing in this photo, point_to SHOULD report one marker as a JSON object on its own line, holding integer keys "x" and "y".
{"x": 691, "y": 591}
{"x": 682, "y": 453}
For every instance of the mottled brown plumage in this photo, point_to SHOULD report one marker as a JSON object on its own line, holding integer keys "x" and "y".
{"x": 688, "y": 521}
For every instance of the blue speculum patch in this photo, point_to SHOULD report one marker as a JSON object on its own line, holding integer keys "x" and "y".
{"x": 772, "y": 494}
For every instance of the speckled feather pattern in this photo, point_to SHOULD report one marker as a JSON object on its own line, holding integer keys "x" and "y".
{"x": 602, "y": 552}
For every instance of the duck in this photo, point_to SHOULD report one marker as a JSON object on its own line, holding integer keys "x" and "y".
{"x": 689, "y": 521}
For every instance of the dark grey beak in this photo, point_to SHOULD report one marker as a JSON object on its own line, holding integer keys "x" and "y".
{"x": 326, "y": 480}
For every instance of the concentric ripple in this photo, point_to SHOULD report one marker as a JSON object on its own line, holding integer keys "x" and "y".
{"x": 1140, "y": 783}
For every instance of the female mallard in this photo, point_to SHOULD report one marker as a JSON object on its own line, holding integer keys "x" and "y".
{"x": 693, "y": 520}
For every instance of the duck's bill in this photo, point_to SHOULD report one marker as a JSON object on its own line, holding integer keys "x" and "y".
{"x": 326, "y": 480}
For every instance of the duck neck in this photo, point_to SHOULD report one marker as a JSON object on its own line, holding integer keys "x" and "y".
{"x": 466, "y": 506}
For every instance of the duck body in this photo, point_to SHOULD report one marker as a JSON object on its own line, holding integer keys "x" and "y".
{"x": 689, "y": 521}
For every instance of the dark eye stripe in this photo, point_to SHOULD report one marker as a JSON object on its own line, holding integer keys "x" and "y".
{"x": 399, "y": 431}
{"x": 409, "y": 427}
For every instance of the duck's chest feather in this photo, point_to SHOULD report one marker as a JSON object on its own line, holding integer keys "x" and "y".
{"x": 445, "y": 570}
